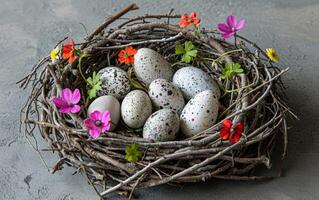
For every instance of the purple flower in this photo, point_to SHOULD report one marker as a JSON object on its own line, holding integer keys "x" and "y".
{"x": 98, "y": 122}
{"x": 231, "y": 27}
{"x": 68, "y": 101}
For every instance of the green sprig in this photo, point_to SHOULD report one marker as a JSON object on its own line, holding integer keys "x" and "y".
{"x": 187, "y": 51}
{"x": 133, "y": 153}
{"x": 94, "y": 84}
{"x": 230, "y": 70}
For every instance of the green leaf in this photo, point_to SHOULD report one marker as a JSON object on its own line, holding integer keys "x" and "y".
{"x": 230, "y": 70}
{"x": 189, "y": 46}
{"x": 187, "y": 51}
{"x": 133, "y": 153}
{"x": 94, "y": 84}
{"x": 179, "y": 49}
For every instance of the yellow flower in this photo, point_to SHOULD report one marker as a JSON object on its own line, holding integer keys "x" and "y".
{"x": 272, "y": 55}
{"x": 55, "y": 54}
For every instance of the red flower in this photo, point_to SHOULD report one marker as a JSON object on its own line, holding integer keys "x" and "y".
{"x": 188, "y": 20}
{"x": 227, "y": 132}
{"x": 127, "y": 55}
{"x": 68, "y": 51}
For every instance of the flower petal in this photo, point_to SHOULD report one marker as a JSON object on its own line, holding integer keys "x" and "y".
{"x": 76, "y": 96}
{"x": 234, "y": 138}
{"x": 96, "y": 115}
{"x": 240, "y": 24}
{"x": 72, "y": 58}
{"x": 196, "y": 21}
{"x": 227, "y": 124}
{"x": 231, "y": 21}
{"x": 75, "y": 109}
{"x": 59, "y": 102}
{"x": 106, "y": 117}
{"x": 239, "y": 129}
{"x": 228, "y": 35}
{"x": 192, "y": 15}
{"x": 89, "y": 123}
{"x": 184, "y": 24}
{"x": 224, "y": 134}
{"x": 65, "y": 109}
{"x": 67, "y": 95}
{"x": 224, "y": 28}
{"x": 184, "y": 17}
{"x": 95, "y": 132}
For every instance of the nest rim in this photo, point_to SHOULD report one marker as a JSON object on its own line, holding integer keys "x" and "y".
{"x": 66, "y": 135}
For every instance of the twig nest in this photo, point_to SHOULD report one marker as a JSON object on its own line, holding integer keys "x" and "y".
{"x": 165, "y": 94}
{"x": 150, "y": 65}
{"x": 107, "y": 103}
{"x": 192, "y": 80}
{"x": 200, "y": 113}
{"x": 162, "y": 125}
{"x": 136, "y": 108}
{"x": 115, "y": 82}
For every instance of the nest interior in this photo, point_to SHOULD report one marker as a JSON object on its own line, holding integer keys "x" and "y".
{"x": 255, "y": 97}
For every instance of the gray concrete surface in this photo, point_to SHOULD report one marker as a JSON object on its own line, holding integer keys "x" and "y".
{"x": 30, "y": 28}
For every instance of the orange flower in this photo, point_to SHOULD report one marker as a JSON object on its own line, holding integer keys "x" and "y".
{"x": 188, "y": 20}
{"x": 127, "y": 55}
{"x": 69, "y": 51}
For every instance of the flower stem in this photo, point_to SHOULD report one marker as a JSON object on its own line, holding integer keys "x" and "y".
{"x": 235, "y": 36}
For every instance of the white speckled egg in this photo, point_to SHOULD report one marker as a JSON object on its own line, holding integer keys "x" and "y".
{"x": 162, "y": 125}
{"x": 192, "y": 80}
{"x": 105, "y": 103}
{"x": 150, "y": 65}
{"x": 200, "y": 113}
{"x": 136, "y": 108}
{"x": 165, "y": 94}
{"x": 115, "y": 82}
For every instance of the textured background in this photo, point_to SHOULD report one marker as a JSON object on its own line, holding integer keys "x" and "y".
{"x": 30, "y": 28}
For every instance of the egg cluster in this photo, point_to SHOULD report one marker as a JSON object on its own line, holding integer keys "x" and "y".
{"x": 184, "y": 101}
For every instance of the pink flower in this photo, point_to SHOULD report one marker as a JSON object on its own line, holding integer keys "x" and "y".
{"x": 98, "y": 122}
{"x": 68, "y": 101}
{"x": 231, "y": 27}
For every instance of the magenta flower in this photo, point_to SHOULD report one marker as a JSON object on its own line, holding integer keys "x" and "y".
{"x": 231, "y": 27}
{"x": 98, "y": 122}
{"x": 68, "y": 101}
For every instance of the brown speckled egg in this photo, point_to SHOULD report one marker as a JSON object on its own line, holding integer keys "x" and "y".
{"x": 150, "y": 65}
{"x": 200, "y": 113}
{"x": 136, "y": 108}
{"x": 165, "y": 94}
{"x": 192, "y": 80}
{"x": 163, "y": 125}
{"x": 115, "y": 82}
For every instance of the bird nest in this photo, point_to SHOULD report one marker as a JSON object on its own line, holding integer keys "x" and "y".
{"x": 254, "y": 98}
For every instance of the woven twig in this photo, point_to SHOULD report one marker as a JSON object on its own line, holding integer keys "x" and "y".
{"x": 254, "y": 97}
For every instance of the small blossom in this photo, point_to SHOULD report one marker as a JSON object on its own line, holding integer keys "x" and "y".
{"x": 98, "y": 122}
{"x": 69, "y": 51}
{"x": 188, "y": 20}
{"x": 68, "y": 101}
{"x": 127, "y": 55}
{"x": 233, "y": 134}
{"x": 272, "y": 55}
{"x": 55, "y": 54}
{"x": 231, "y": 26}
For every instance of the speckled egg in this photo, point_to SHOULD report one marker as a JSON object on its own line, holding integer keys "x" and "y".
{"x": 115, "y": 82}
{"x": 192, "y": 80}
{"x": 200, "y": 113}
{"x": 136, "y": 108}
{"x": 165, "y": 94}
{"x": 163, "y": 125}
{"x": 105, "y": 103}
{"x": 150, "y": 65}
